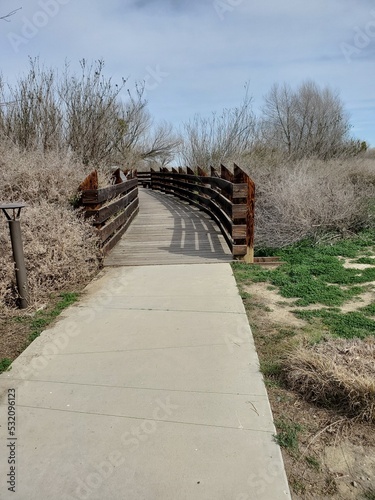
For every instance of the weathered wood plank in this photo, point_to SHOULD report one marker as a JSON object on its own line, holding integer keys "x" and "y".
{"x": 117, "y": 236}
{"x": 93, "y": 196}
{"x": 106, "y": 231}
{"x": 102, "y": 214}
{"x": 217, "y": 182}
{"x": 168, "y": 231}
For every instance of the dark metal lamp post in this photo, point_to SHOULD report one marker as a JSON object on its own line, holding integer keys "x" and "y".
{"x": 16, "y": 239}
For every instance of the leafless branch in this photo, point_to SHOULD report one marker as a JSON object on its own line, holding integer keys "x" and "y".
{"x": 10, "y": 14}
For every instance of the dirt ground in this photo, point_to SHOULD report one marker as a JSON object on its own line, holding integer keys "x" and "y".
{"x": 13, "y": 337}
{"x": 336, "y": 456}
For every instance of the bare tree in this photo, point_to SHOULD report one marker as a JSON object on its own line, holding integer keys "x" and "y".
{"x": 33, "y": 119}
{"x": 84, "y": 113}
{"x": 310, "y": 121}
{"x": 91, "y": 108}
{"x": 160, "y": 144}
{"x": 209, "y": 141}
{"x": 139, "y": 139}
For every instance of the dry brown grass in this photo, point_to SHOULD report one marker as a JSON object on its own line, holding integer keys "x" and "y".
{"x": 311, "y": 198}
{"x": 60, "y": 248}
{"x": 337, "y": 374}
{"x": 35, "y": 176}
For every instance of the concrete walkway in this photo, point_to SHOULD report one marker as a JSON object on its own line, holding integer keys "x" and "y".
{"x": 149, "y": 389}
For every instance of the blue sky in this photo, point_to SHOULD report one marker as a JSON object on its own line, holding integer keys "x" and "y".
{"x": 197, "y": 55}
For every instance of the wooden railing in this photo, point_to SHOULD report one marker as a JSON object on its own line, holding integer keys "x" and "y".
{"x": 144, "y": 179}
{"x": 110, "y": 209}
{"x": 227, "y": 197}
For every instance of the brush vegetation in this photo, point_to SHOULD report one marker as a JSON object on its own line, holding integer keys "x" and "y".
{"x": 330, "y": 362}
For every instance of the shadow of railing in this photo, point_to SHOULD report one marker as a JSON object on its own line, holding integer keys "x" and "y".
{"x": 194, "y": 233}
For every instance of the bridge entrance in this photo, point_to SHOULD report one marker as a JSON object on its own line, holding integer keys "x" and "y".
{"x": 169, "y": 231}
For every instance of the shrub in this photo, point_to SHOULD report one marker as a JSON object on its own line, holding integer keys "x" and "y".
{"x": 60, "y": 248}
{"x": 310, "y": 198}
{"x": 337, "y": 373}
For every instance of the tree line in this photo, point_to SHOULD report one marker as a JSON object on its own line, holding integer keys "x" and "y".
{"x": 87, "y": 114}
{"x": 100, "y": 122}
{"x": 309, "y": 121}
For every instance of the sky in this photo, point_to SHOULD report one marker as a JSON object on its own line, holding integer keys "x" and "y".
{"x": 196, "y": 56}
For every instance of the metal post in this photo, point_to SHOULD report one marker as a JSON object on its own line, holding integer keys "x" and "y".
{"x": 17, "y": 248}
{"x": 19, "y": 262}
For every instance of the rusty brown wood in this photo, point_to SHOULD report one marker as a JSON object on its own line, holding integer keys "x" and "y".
{"x": 119, "y": 176}
{"x": 102, "y": 214}
{"x": 239, "y": 231}
{"x": 250, "y": 217}
{"x": 91, "y": 182}
{"x": 239, "y": 211}
{"x": 242, "y": 178}
{"x": 201, "y": 172}
{"x": 106, "y": 231}
{"x": 239, "y": 191}
{"x": 226, "y": 174}
{"x": 239, "y": 250}
{"x": 95, "y": 196}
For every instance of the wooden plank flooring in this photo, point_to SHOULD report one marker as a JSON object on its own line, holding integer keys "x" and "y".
{"x": 169, "y": 231}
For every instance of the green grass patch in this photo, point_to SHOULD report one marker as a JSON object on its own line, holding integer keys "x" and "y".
{"x": 272, "y": 369}
{"x": 313, "y": 463}
{"x": 368, "y": 310}
{"x": 365, "y": 260}
{"x": 244, "y": 273}
{"x": 345, "y": 325}
{"x": 43, "y": 318}
{"x": 245, "y": 295}
{"x": 287, "y": 434}
{"x": 315, "y": 274}
{"x": 4, "y": 364}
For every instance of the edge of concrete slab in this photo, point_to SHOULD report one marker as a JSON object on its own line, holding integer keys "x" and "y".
{"x": 261, "y": 481}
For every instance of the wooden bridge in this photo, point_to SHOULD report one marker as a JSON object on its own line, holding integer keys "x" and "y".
{"x": 168, "y": 231}
{"x": 177, "y": 217}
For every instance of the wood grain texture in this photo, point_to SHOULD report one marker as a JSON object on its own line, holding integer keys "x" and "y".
{"x": 169, "y": 231}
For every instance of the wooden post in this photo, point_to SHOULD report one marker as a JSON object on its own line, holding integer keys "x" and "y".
{"x": 91, "y": 182}
{"x": 241, "y": 177}
{"x": 226, "y": 174}
{"x": 214, "y": 172}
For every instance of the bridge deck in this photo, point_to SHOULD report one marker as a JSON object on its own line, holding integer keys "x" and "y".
{"x": 169, "y": 231}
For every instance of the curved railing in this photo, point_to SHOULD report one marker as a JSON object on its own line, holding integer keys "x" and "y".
{"x": 110, "y": 209}
{"x": 227, "y": 197}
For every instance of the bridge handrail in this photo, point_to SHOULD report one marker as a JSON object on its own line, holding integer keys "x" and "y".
{"x": 227, "y": 197}
{"x": 110, "y": 209}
